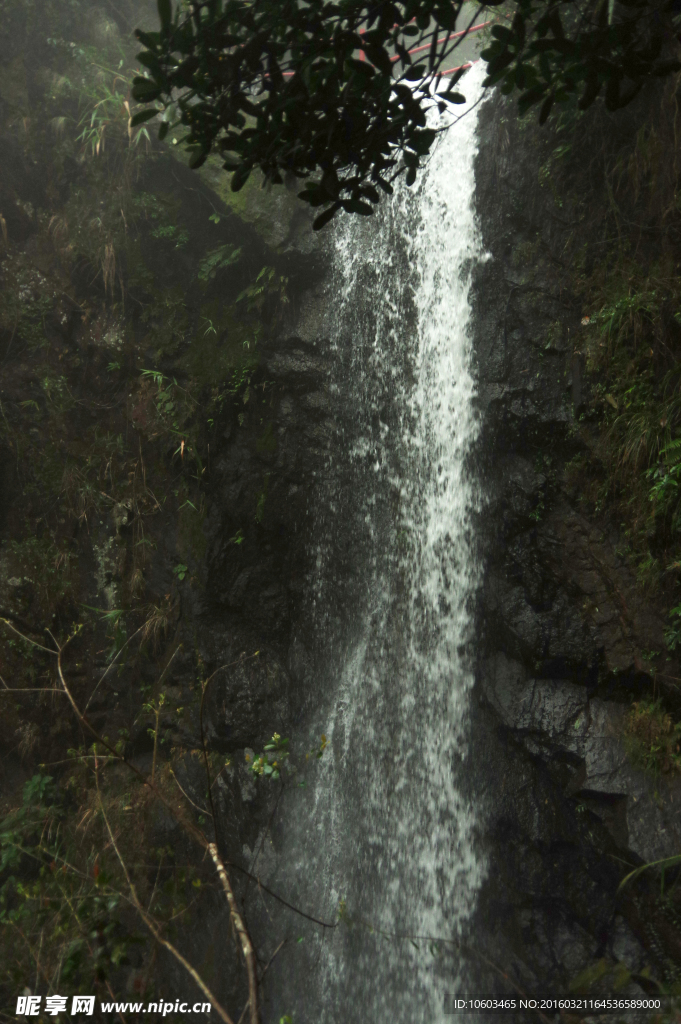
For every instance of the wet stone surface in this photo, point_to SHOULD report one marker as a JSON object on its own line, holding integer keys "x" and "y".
{"x": 563, "y": 629}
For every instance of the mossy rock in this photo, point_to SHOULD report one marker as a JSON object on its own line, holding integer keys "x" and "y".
{"x": 274, "y": 211}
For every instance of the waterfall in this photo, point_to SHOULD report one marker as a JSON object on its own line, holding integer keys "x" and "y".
{"x": 389, "y": 823}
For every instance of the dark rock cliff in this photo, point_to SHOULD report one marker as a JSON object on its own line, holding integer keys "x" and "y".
{"x": 562, "y": 628}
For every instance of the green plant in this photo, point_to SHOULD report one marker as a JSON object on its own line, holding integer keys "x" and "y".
{"x": 175, "y": 407}
{"x": 664, "y": 484}
{"x": 260, "y": 505}
{"x": 43, "y": 566}
{"x": 76, "y": 489}
{"x": 652, "y": 738}
{"x": 271, "y": 762}
{"x": 216, "y": 260}
{"x": 156, "y": 708}
{"x": 538, "y": 512}
{"x": 113, "y": 809}
{"x": 634, "y": 469}
{"x": 171, "y": 233}
{"x": 55, "y": 897}
{"x": 672, "y": 635}
{"x": 663, "y": 864}
{"x": 626, "y": 312}
{"x": 648, "y": 572}
{"x": 241, "y": 379}
{"x": 116, "y": 631}
{"x": 108, "y": 113}
{"x": 267, "y": 283}
{"x": 56, "y": 391}
{"x": 116, "y": 634}
{"x": 275, "y": 757}
{"x": 318, "y": 752}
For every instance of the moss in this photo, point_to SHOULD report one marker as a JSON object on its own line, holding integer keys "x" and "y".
{"x": 40, "y": 572}
{"x": 191, "y": 536}
{"x": 267, "y": 442}
{"x": 270, "y": 210}
{"x": 262, "y": 500}
{"x": 525, "y": 254}
{"x": 652, "y": 739}
{"x": 220, "y": 345}
{"x": 166, "y": 321}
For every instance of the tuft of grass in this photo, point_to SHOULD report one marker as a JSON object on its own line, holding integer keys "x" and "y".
{"x": 652, "y": 738}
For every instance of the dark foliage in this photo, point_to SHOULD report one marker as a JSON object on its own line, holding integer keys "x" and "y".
{"x": 336, "y": 93}
{"x": 556, "y": 51}
{"x": 281, "y": 86}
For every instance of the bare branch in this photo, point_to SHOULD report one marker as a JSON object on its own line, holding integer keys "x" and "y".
{"x": 280, "y": 899}
{"x": 30, "y": 689}
{"x": 111, "y": 665}
{"x": 28, "y": 640}
{"x": 269, "y": 962}
{"x": 237, "y": 920}
{"x": 199, "y": 837}
{"x": 186, "y": 824}
{"x": 153, "y": 928}
{"x": 201, "y": 810}
{"x": 244, "y": 938}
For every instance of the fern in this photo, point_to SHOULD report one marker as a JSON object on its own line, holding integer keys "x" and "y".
{"x": 675, "y": 447}
{"x": 218, "y": 259}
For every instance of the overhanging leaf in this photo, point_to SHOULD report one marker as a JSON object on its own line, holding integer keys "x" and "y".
{"x": 164, "y": 13}
{"x": 325, "y": 217}
{"x": 143, "y": 115}
{"x": 546, "y": 108}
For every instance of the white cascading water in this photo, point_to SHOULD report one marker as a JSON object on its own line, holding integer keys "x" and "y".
{"x": 391, "y": 827}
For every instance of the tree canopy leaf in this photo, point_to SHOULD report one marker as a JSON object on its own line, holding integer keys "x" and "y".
{"x": 328, "y": 91}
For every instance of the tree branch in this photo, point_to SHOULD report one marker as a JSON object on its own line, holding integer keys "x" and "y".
{"x": 153, "y": 928}
{"x": 244, "y": 938}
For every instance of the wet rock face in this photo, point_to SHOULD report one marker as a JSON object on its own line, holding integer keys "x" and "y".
{"x": 560, "y": 723}
{"x": 249, "y": 700}
{"x": 561, "y": 622}
{"x": 266, "y": 474}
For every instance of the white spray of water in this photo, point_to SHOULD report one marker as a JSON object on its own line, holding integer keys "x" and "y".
{"x": 392, "y": 829}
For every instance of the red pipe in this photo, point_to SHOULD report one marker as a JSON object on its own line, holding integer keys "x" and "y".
{"x": 450, "y": 71}
{"x": 411, "y": 20}
{"x": 454, "y": 35}
{"x": 418, "y": 49}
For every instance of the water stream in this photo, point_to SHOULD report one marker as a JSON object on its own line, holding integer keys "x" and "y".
{"x": 388, "y": 823}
